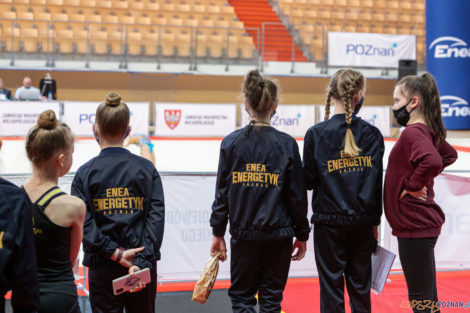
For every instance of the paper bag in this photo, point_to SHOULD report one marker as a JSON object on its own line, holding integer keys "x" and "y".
{"x": 204, "y": 285}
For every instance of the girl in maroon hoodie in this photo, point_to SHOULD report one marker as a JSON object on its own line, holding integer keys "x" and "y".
{"x": 420, "y": 154}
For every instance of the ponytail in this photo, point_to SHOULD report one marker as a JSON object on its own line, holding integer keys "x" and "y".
{"x": 425, "y": 88}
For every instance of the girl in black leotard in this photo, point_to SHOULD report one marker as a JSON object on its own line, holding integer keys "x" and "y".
{"x": 57, "y": 217}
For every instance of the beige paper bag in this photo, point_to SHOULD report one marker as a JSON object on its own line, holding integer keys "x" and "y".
{"x": 204, "y": 285}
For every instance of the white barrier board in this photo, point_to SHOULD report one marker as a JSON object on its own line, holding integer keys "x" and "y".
{"x": 80, "y": 116}
{"x": 294, "y": 120}
{"x": 204, "y": 120}
{"x": 17, "y": 117}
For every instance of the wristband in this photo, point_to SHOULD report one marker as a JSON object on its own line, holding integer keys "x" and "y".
{"x": 119, "y": 256}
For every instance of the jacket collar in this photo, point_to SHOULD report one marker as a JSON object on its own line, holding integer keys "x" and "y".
{"x": 114, "y": 150}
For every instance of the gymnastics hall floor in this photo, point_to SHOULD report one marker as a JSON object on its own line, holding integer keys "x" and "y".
{"x": 302, "y": 295}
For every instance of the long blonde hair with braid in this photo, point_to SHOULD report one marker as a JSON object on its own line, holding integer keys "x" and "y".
{"x": 344, "y": 86}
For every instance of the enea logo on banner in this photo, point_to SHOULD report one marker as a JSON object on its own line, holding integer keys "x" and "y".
{"x": 172, "y": 118}
{"x": 447, "y": 47}
{"x": 370, "y": 50}
{"x": 452, "y": 106}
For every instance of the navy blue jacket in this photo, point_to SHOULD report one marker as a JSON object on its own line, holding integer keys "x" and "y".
{"x": 125, "y": 206}
{"x": 17, "y": 254}
{"x": 260, "y": 187}
{"x": 346, "y": 191}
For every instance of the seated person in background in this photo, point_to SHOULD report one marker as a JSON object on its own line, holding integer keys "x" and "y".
{"x": 17, "y": 259}
{"x": 27, "y": 92}
{"x": 146, "y": 146}
{"x": 5, "y": 94}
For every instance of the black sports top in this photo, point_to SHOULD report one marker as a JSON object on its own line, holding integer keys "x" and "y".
{"x": 52, "y": 249}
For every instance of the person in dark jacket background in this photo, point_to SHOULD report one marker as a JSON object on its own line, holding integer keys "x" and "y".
{"x": 260, "y": 189}
{"x": 343, "y": 165}
{"x": 5, "y": 94}
{"x": 124, "y": 222}
{"x": 17, "y": 254}
{"x": 420, "y": 154}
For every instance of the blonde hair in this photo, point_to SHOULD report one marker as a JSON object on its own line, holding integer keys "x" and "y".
{"x": 46, "y": 138}
{"x": 112, "y": 117}
{"x": 344, "y": 85}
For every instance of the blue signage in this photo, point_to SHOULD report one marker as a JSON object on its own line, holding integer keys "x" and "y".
{"x": 448, "y": 58}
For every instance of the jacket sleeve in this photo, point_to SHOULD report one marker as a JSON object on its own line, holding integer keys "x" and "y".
{"x": 219, "y": 216}
{"x": 152, "y": 234}
{"x": 24, "y": 283}
{"x": 93, "y": 240}
{"x": 379, "y": 208}
{"x": 297, "y": 196}
{"x": 426, "y": 160}
{"x": 311, "y": 174}
{"x": 448, "y": 154}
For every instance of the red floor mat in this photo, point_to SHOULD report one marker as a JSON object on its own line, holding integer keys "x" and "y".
{"x": 303, "y": 295}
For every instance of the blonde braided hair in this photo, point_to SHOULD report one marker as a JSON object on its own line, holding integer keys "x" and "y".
{"x": 344, "y": 85}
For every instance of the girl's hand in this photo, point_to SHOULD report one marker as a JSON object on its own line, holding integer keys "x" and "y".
{"x": 420, "y": 194}
{"x": 140, "y": 285}
{"x": 218, "y": 244}
{"x": 301, "y": 247}
{"x": 127, "y": 258}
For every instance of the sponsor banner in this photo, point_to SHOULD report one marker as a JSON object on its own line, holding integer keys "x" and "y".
{"x": 379, "y": 116}
{"x": 448, "y": 58}
{"x": 452, "y": 195}
{"x": 18, "y": 117}
{"x": 185, "y": 119}
{"x": 294, "y": 120}
{"x": 371, "y": 50}
{"x": 80, "y": 116}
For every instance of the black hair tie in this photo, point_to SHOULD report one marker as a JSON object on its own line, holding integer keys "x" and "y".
{"x": 261, "y": 84}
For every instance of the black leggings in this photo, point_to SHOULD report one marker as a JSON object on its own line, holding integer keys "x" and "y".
{"x": 58, "y": 303}
{"x": 419, "y": 267}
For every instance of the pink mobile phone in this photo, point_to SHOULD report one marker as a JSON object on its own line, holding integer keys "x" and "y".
{"x": 127, "y": 282}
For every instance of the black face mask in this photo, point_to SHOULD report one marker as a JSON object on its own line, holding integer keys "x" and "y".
{"x": 402, "y": 115}
{"x": 358, "y": 106}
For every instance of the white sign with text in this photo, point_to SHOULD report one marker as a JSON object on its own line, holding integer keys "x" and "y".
{"x": 80, "y": 116}
{"x": 185, "y": 119}
{"x": 371, "y": 50}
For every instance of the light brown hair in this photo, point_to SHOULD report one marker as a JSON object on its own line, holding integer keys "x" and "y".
{"x": 112, "y": 117}
{"x": 344, "y": 85}
{"x": 259, "y": 92}
{"x": 47, "y": 138}
{"x": 425, "y": 88}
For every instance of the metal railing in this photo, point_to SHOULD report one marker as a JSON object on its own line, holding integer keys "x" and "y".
{"x": 88, "y": 41}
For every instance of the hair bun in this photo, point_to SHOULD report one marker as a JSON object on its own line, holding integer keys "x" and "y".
{"x": 47, "y": 120}
{"x": 112, "y": 99}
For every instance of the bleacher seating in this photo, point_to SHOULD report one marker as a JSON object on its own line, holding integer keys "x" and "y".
{"x": 314, "y": 18}
{"x": 104, "y": 26}
{"x": 178, "y": 28}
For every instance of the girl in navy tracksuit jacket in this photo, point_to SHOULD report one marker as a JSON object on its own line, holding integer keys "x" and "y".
{"x": 260, "y": 190}
{"x": 123, "y": 227}
{"x": 343, "y": 165}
